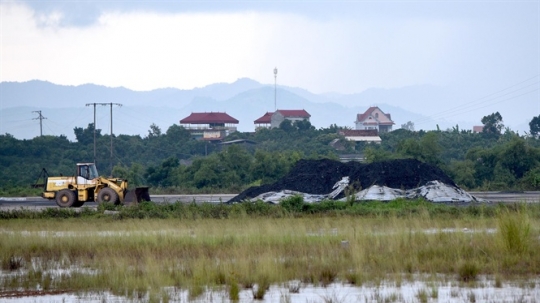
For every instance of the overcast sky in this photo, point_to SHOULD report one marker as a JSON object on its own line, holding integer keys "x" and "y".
{"x": 322, "y": 46}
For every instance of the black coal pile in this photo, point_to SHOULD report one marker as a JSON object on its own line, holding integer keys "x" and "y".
{"x": 319, "y": 176}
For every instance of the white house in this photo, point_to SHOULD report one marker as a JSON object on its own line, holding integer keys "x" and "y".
{"x": 274, "y": 119}
{"x": 374, "y": 118}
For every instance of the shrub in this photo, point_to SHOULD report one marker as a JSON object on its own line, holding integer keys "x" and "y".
{"x": 293, "y": 204}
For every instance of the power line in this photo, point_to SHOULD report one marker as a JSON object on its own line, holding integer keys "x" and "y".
{"x": 480, "y": 102}
{"x": 40, "y": 121}
{"x": 477, "y": 106}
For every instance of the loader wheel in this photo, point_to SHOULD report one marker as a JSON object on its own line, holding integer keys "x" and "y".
{"x": 65, "y": 198}
{"x": 108, "y": 195}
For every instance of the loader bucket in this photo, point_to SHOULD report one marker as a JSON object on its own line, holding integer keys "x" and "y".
{"x": 136, "y": 195}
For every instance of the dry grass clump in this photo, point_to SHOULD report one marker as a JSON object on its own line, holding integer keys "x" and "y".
{"x": 137, "y": 258}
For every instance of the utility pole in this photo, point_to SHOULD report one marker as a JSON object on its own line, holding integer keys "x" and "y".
{"x": 118, "y": 104}
{"x": 275, "y": 88}
{"x": 40, "y": 121}
{"x": 104, "y": 104}
{"x": 94, "y": 104}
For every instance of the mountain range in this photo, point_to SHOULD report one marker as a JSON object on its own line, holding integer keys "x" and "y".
{"x": 66, "y": 107}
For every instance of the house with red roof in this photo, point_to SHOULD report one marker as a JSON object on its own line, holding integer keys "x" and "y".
{"x": 212, "y": 126}
{"x": 273, "y": 120}
{"x": 374, "y": 118}
{"x": 477, "y": 129}
{"x": 264, "y": 121}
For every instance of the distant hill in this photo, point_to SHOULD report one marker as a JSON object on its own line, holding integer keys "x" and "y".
{"x": 37, "y": 92}
{"x": 65, "y": 106}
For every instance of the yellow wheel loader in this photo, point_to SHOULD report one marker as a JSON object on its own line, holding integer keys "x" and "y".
{"x": 87, "y": 186}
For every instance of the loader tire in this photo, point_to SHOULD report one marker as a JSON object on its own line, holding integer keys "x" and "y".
{"x": 65, "y": 198}
{"x": 108, "y": 195}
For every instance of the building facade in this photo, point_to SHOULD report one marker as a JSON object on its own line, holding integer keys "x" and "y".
{"x": 374, "y": 118}
{"x": 212, "y": 126}
{"x": 273, "y": 120}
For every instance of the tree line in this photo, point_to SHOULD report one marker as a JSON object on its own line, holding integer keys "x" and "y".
{"x": 495, "y": 159}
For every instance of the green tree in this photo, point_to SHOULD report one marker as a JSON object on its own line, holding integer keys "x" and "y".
{"x": 427, "y": 149}
{"x": 163, "y": 174}
{"x": 236, "y": 159}
{"x": 408, "y": 126}
{"x": 177, "y": 134}
{"x": 517, "y": 157}
{"x": 134, "y": 174}
{"x": 535, "y": 127}
{"x": 531, "y": 180}
{"x": 268, "y": 167}
{"x": 430, "y": 148}
{"x": 502, "y": 177}
{"x": 373, "y": 154}
{"x": 493, "y": 124}
{"x": 484, "y": 160}
{"x": 303, "y": 125}
{"x": 410, "y": 148}
{"x": 86, "y": 135}
{"x": 462, "y": 173}
{"x": 206, "y": 177}
{"x": 287, "y": 126}
{"x": 154, "y": 131}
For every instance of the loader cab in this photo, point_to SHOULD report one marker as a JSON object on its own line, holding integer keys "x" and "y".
{"x": 86, "y": 173}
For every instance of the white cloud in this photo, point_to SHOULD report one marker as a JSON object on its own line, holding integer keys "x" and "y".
{"x": 144, "y": 50}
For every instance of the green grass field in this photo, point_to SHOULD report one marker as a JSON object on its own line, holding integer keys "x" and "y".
{"x": 145, "y": 248}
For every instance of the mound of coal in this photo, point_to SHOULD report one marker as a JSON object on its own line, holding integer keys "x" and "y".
{"x": 319, "y": 176}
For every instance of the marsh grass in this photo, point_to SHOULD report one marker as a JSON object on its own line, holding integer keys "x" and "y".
{"x": 434, "y": 294}
{"x": 515, "y": 231}
{"x": 498, "y": 281}
{"x": 234, "y": 291}
{"x": 293, "y": 206}
{"x": 294, "y": 287}
{"x": 468, "y": 271}
{"x": 422, "y": 295}
{"x": 261, "y": 288}
{"x": 471, "y": 296}
{"x": 135, "y": 257}
{"x": 196, "y": 289}
{"x": 12, "y": 263}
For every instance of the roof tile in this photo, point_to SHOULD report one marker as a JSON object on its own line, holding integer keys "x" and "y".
{"x": 207, "y": 118}
{"x": 265, "y": 119}
{"x": 294, "y": 113}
